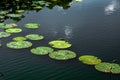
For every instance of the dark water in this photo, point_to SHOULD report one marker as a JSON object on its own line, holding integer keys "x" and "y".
{"x": 92, "y": 26}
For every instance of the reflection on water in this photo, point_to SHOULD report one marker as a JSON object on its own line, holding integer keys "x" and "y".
{"x": 68, "y": 32}
{"x": 112, "y": 7}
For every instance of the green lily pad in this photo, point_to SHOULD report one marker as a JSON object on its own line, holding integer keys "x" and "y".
{"x": 1, "y": 24}
{"x": 59, "y": 44}
{"x": 14, "y": 15}
{"x": 3, "y": 12}
{"x": 13, "y": 30}
{"x": 10, "y": 25}
{"x": 2, "y": 17}
{"x": 0, "y": 44}
{"x": 108, "y": 67}
{"x": 37, "y": 7}
{"x": 89, "y": 59}
{"x": 41, "y": 50}
{"x": 19, "y": 44}
{"x": 62, "y": 55}
{"x": 20, "y": 11}
{"x": 34, "y": 37}
{"x": 32, "y": 25}
{"x": 4, "y": 34}
{"x": 20, "y": 38}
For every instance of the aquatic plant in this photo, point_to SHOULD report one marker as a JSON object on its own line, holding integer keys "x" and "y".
{"x": 4, "y": 34}
{"x": 89, "y": 59}
{"x": 19, "y": 44}
{"x": 34, "y": 37}
{"x": 42, "y": 50}
{"x": 59, "y": 44}
{"x": 32, "y": 25}
{"x": 14, "y": 15}
{"x": 19, "y": 38}
{"x": 5, "y": 26}
{"x": 3, "y": 12}
{"x": 13, "y": 30}
{"x": 20, "y": 11}
{"x": 62, "y": 55}
{"x": 108, "y": 67}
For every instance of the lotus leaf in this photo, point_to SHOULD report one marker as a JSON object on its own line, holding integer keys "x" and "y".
{"x": 3, "y": 12}
{"x": 41, "y": 50}
{"x": 20, "y": 11}
{"x": 10, "y": 25}
{"x": 108, "y": 67}
{"x": 62, "y": 55}
{"x": 4, "y": 34}
{"x": 89, "y": 59}
{"x": 13, "y": 30}
{"x": 14, "y": 15}
{"x": 32, "y": 25}
{"x": 19, "y": 44}
{"x": 59, "y": 44}
{"x": 34, "y": 37}
{"x": 20, "y": 38}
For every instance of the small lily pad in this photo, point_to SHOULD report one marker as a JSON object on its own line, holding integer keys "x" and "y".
{"x": 20, "y": 38}
{"x": 32, "y": 25}
{"x": 13, "y": 30}
{"x": 2, "y": 17}
{"x": 59, "y": 44}
{"x": 10, "y": 25}
{"x": 20, "y": 11}
{"x": 41, "y": 50}
{"x": 4, "y": 34}
{"x": 14, "y": 15}
{"x": 34, "y": 37}
{"x": 108, "y": 67}
{"x": 62, "y": 55}
{"x": 19, "y": 44}
{"x": 37, "y": 7}
{"x": 89, "y": 59}
{"x": 3, "y": 12}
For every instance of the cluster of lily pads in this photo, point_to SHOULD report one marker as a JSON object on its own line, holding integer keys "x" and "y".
{"x": 99, "y": 65}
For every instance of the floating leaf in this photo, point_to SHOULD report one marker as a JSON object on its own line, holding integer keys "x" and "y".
{"x": 108, "y": 67}
{"x": 2, "y": 17}
{"x": 62, "y": 55}
{"x": 20, "y": 11}
{"x": 20, "y": 38}
{"x": 1, "y": 25}
{"x": 0, "y": 44}
{"x": 34, "y": 37}
{"x": 89, "y": 59}
{"x": 59, "y": 44}
{"x": 19, "y": 44}
{"x": 37, "y": 7}
{"x": 41, "y": 50}
{"x": 13, "y": 30}
{"x": 10, "y": 25}
{"x": 14, "y": 15}
{"x": 78, "y": 0}
{"x": 3, "y": 12}
{"x": 4, "y": 34}
{"x": 32, "y": 25}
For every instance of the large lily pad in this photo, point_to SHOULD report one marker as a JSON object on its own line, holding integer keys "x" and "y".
{"x": 13, "y": 30}
{"x": 4, "y": 34}
{"x": 32, "y": 25}
{"x": 34, "y": 37}
{"x": 62, "y": 55}
{"x": 89, "y": 59}
{"x": 20, "y": 38}
{"x": 14, "y": 15}
{"x": 19, "y": 44}
{"x": 59, "y": 44}
{"x": 41, "y": 50}
{"x": 108, "y": 67}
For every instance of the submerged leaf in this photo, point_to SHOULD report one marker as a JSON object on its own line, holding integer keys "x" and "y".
{"x": 19, "y": 44}
{"x": 62, "y": 55}
{"x": 41, "y": 50}
{"x": 20, "y": 38}
{"x": 108, "y": 67}
{"x": 59, "y": 44}
{"x": 89, "y": 59}
{"x": 32, "y": 25}
{"x": 13, "y": 30}
{"x": 4, "y": 34}
{"x": 34, "y": 37}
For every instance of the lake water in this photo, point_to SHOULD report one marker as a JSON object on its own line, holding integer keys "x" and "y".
{"x": 93, "y": 28}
